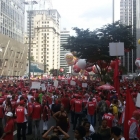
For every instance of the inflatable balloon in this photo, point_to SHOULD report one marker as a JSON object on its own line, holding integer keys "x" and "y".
{"x": 89, "y": 69}
{"x": 96, "y": 69}
{"x": 71, "y": 63}
{"x": 81, "y": 63}
{"x": 68, "y": 57}
{"x": 139, "y": 41}
{"x": 76, "y": 69}
{"x": 137, "y": 62}
{"x": 112, "y": 64}
{"x": 86, "y": 73}
{"x": 61, "y": 69}
{"x": 109, "y": 69}
{"x": 74, "y": 73}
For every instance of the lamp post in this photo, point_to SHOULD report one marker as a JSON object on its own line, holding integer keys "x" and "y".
{"x": 30, "y": 12}
{"x": 113, "y": 9}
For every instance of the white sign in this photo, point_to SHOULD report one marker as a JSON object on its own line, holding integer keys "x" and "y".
{"x": 138, "y": 100}
{"x": 35, "y": 85}
{"x": 43, "y": 87}
{"x": 55, "y": 84}
{"x": 116, "y": 49}
{"x": 73, "y": 83}
{"x": 84, "y": 85}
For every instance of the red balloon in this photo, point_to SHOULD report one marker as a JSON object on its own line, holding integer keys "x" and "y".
{"x": 76, "y": 69}
{"x": 112, "y": 64}
{"x": 61, "y": 70}
{"x": 88, "y": 69}
{"x": 109, "y": 69}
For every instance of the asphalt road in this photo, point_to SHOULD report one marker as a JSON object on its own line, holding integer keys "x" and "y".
{"x": 51, "y": 122}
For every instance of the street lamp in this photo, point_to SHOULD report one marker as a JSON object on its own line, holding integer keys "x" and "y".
{"x": 30, "y": 17}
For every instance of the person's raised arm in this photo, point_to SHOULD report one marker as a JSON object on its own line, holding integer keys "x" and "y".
{"x": 66, "y": 136}
{"x": 55, "y": 116}
{"x": 45, "y": 136}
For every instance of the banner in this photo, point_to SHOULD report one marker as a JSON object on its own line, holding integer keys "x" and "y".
{"x": 43, "y": 87}
{"x": 73, "y": 83}
{"x": 35, "y": 85}
{"x": 84, "y": 85}
{"x": 55, "y": 84}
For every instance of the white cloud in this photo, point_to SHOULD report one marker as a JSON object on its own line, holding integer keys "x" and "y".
{"x": 86, "y": 13}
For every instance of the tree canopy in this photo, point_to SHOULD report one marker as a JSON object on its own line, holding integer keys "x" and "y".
{"x": 93, "y": 45}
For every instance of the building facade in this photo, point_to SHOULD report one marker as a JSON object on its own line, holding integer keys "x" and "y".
{"x": 129, "y": 15}
{"x": 45, "y": 34}
{"x": 13, "y": 56}
{"x": 12, "y": 19}
{"x": 64, "y": 35}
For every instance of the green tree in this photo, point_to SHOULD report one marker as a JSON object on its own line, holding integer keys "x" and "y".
{"x": 31, "y": 58}
{"x": 93, "y": 45}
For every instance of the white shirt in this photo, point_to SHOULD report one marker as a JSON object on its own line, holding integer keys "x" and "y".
{"x": 29, "y": 98}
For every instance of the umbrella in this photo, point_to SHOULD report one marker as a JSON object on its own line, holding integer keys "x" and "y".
{"x": 105, "y": 87}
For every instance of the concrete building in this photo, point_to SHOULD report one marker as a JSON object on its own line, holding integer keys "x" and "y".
{"x": 130, "y": 15}
{"x": 45, "y": 33}
{"x": 13, "y": 53}
{"x": 64, "y": 35}
{"x": 13, "y": 56}
{"x": 12, "y": 19}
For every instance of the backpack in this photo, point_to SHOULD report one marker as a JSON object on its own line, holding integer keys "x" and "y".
{"x": 103, "y": 107}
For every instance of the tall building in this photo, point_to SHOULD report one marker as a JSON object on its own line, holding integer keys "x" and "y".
{"x": 129, "y": 15}
{"x": 13, "y": 53}
{"x": 64, "y": 35}
{"x": 45, "y": 33}
{"x": 12, "y": 19}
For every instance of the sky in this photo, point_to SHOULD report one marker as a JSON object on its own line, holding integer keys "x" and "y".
{"x": 85, "y": 14}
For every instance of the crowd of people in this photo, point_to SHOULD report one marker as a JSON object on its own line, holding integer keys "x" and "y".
{"x": 93, "y": 114}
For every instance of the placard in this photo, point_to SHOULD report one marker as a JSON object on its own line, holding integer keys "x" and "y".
{"x": 43, "y": 87}
{"x": 73, "y": 83}
{"x": 84, "y": 85}
{"x": 116, "y": 49}
{"x": 55, "y": 84}
{"x": 35, "y": 85}
{"x": 138, "y": 100}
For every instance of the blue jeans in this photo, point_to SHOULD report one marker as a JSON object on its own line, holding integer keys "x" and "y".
{"x": 90, "y": 119}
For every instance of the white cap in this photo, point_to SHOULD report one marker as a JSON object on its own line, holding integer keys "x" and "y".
{"x": 9, "y": 114}
{"x": 9, "y": 96}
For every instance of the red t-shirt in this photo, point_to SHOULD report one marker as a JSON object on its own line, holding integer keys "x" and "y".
{"x": 9, "y": 127}
{"x": 36, "y": 111}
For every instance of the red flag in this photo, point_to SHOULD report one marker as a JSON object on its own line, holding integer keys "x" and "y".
{"x": 129, "y": 109}
{"x": 116, "y": 77}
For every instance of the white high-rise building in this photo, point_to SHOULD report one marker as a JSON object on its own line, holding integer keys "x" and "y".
{"x": 13, "y": 53}
{"x": 12, "y": 19}
{"x": 130, "y": 15}
{"x": 45, "y": 33}
{"x": 64, "y": 35}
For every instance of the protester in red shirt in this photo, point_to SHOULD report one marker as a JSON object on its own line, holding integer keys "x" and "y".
{"x": 30, "y": 111}
{"x": 46, "y": 115}
{"x": 21, "y": 114}
{"x": 9, "y": 128}
{"x": 36, "y": 116}
{"x": 72, "y": 101}
{"x": 1, "y": 117}
{"x": 91, "y": 108}
{"x": 110, "y": 118}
